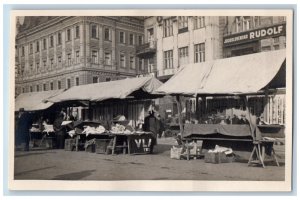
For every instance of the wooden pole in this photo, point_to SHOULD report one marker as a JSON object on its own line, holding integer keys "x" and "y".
{"x": 252, "y": 126}
{"x": 179, "y": 114}
{"x": 197, "y": 107}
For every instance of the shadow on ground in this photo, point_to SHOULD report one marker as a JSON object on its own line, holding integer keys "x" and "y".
{"x": 33, "y": 170}
{"x": 74, "y": 176}
{"x": 31, "y": 154}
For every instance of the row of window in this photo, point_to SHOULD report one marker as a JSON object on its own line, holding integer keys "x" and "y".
{"x": 199, "y": 22}
{"x": 183, "y": 54}
{"x": 94, "y": 34}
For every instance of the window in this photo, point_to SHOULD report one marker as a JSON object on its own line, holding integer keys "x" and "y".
{"x": 122, "y": 37}
{"x": 44, "y": 43}
{"x": 141, "y": 66}
{"x": 107, "y": 35}
{"x": 168, "y": 27}
{"x": 44, "y": 64}
{"x": 95, "y": 79}
{"x": 182, "y": 24}
{"x": 69, "y": 59}
{"x": 37, "y": 65}
{"x": 95, "y": 57}
{"x": 23, "y": 51}
{"x": 107, "y": 58}
{"x": 31, "y": 48}
{"x": 68, "y": 83}
{"x": 122, "y": 60}
{"x": 132, "y": 63}
{"x": 51, "y": 63}
{"x": 168, "y": 59}
{"x": 68, "y": 34}
{"x": 140, "y": 39}
{"x": 199, "y": 52}
{"x": 256, "y": 21}
{"x": 37, "y": 88}
{"x": 242, "y": 23}
{"x": 150, "y": 35}
{"x": 59, "y": 59}
{"x": 276, "y": 40}
{"x": 94, "y": 31}
{"x": 59, "y": 38}
{"x": 131, "y": 39}
{"x": 266, "y": 48}
{"x": 51, "y": 86}
{"x": 107, "y": 79}
{"x": 31, "y": 89}
{"x": 31, "y": 67}
{"x": 276, "y": 47}
{"x": 77, "y": 60}
{"x": 77, "y": 81}
{"x": 199, "y": 22}
{"x": 23, "y": 90}
{"x": 58, "y": 85}
{"x": 37, "y": 46}
{"x": 183, "y": 56}
{"x": 44, "y": 87}
{"x": 51, "y": 41}
{"x": 77, "y": 32}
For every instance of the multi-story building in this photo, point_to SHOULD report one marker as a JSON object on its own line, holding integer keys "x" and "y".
{"x": 172, "y": 42}
{"x": 61, "y": 52}
{"x": 252, "y": 34}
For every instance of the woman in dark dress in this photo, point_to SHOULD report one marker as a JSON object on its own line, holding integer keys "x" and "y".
{"x": 59, "y": 131}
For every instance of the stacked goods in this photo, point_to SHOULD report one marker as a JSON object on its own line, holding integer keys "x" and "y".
{"x": 48, "y": 128}
{"x": 219, "y": 155}
{"x": 93, "y": 130}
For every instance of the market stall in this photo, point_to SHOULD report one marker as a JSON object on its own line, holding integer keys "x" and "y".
{"x": 33, "y": 103}
{"x": 131, "y": 97}
{"x": 235, "y": 77}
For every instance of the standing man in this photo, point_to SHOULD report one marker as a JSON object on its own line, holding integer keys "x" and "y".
{"x": 23, "y": 123}
{"x": 59, "y": 132}
{"x": 152, "y": 125}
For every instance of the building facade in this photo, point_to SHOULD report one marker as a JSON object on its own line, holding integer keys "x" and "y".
{"x": 61, "y": 52}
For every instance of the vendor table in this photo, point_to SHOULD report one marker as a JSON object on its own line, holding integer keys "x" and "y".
{"x": 134, "y": 143}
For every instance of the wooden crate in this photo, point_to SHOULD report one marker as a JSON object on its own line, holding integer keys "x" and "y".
{"x": 101, "y": 145}
{"x": 217, "y": 158}
{"x": 70, "y": 144}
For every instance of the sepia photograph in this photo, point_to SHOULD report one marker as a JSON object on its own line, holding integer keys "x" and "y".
{"x": 155, "y": 100}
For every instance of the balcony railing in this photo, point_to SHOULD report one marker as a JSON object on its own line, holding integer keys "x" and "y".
{"x": 147, "y": 48}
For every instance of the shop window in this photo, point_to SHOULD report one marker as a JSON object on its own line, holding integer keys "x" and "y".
{"x": 168, "y": 27}
{"x": 77, "y": 32}
{"x": 168, "y": 59}
{"x": 51, "y": 41}
{"x": 68, "y": 34}
{"x": 107, "y": 58}
{"x": 182, "y": 24}
{"x": 122, "y": 60}
{"x": 122, "y": 37}
{"x": 59, "y": 38}
{"x": 68, "y": 83}
{"x": 95, "y": 79}
{"x": 199, "y": 22}
{"x": 51, "y": 86}
{"x": 95, "y": 57}
{"x": 77, "y": 81}
{"x": 183, "y": 55}
{"x": 37, "y": 46}
{"x": 200, "y": 52}
{"x": 94, "y": 32}
{"x": 107, "y": 34}
{"x": 131, "y": 39}
{"x": 132, "y": 63}
{"x": 31, "y": 48}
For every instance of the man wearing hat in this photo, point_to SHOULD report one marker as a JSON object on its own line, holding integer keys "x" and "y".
{"x": 23, "y": 125}
{"x": 243, "y": 119}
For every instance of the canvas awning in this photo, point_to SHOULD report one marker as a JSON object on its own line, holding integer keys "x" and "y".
{"x": 119, "y": 89}
{"x": 34, "y": 101}
{"x": 237, "y": 75}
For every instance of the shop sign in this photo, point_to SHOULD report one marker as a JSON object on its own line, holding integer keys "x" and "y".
{"x": 254, "y": 35}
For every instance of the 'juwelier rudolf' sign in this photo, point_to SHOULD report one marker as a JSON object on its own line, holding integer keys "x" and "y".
{"x": 256, "y": 34}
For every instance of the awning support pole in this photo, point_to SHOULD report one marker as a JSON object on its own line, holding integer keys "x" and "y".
{"x": 252, "y": 128}
{"x": 179, "y": 108}
{"x": 197, "y": 107}
{"x": 265, "y": 111}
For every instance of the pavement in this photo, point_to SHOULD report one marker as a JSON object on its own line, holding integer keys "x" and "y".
{"x": 55, "y": 164}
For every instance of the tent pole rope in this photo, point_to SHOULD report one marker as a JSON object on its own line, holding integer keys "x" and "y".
{"x": 179, "y": 114}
